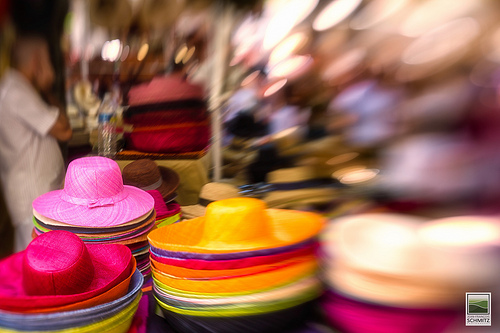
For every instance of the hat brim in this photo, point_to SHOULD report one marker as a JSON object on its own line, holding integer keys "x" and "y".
{"x": 286, "y": 320}
{"x": 91, "y": 229}
{"x": 138, "y": 230}
{"x": 187, "y": 273}
{"x": 231, "y": 255}
{"x": 352, "y": 242}
{"x": 113, "y": 239}
{"x": 393, "y": 291}
{"x": 193, "y": 211}
{"x": 108, "y": 274}
{"x": 248, "y": 283}
{"x": 350, "y": 314}
{"x": 285, "y": 228}
{"x": 278, "y": 198}
{"x": 126, "y": 155}
{"x": 75, "y": 318}
{"x": 240, "y": 309}
{"x": 48, "y": 224}
{"x": 120, "y": 322}
{"x": 168, "y": 220}
{"x": 298, "y": 203}
{"x": 136, "y": 204}
{"x": 170, "y": 182}
{"x": 300, "y": 289}
{"x": 235, "y": 263}
{"x": 171, "y": 209}
{"x": 223, "y": 298}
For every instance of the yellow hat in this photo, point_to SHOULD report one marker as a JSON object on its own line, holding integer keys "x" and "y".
{"x": 238, "y": 225}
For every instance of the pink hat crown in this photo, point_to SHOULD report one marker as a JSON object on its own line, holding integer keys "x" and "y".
{"x": 93, "y": 182}
{"x": 57, "y": 263}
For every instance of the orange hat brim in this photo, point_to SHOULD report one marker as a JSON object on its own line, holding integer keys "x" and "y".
{"x": 246, "y": 283}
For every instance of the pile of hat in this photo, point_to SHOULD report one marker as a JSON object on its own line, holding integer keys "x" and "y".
{"x": 161, "y": 183}
{"x": 298, "y": 187}
{"x": 239, "y": 268}
{"x": 400, "y": 273}
{"x": 166, "y": 214}
{"x": 97, "y": 207}
{"x": 59, "y": 283}
{"x": 209, "y": 193}
{"x": 167, "y": 115}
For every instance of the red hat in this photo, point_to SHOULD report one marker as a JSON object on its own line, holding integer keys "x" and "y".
{"x": 58, "y": 269}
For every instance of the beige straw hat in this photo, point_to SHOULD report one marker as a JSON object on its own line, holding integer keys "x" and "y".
{"x": 403, "y": 260}
{"x": 298, "y": 186}
{"x": 209, "y": 193}
{"x": 290, "y": 175}
{"x": 327, "y": 146}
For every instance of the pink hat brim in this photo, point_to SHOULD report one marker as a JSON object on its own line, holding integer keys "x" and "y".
{"x": 136, "y": 204}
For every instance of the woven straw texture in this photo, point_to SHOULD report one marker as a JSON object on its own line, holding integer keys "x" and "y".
{"x": 94, "y": 195}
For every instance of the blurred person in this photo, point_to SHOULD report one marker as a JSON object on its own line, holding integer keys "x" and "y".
{"x": 365, "y": 111}
{"x": 31, "y": 162}
{"x": 247, "y": 96}
{"x": 240, "y": 117}
{"x": 245, "y": 125}
{"x": 6, "y": 229}
{"x": 286, "y": 112}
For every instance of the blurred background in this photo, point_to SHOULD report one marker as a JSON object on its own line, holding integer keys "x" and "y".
{"x": 376, "y": 106}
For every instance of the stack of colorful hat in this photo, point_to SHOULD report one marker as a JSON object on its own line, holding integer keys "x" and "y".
{"x": 96, "y": 206}
{"x": 161, "y": 183}
{"x": 167, "y": 115}
{"x": 240, "y": 268}
{"x": 399, "y": 273}
{"x": 166, "y": 214}
{"x": 61, "y": 284}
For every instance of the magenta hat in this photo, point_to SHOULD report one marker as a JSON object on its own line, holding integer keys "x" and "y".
{"x": 356, "y": 316}
{"x": 58, "y": 269}
{"x": 94, "y": 196}
{"x": 162, "y": 209}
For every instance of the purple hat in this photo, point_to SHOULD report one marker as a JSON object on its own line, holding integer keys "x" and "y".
{"x": 94, "y": 196}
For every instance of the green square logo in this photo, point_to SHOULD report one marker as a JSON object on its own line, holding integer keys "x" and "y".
{"x": 478, "y": 304}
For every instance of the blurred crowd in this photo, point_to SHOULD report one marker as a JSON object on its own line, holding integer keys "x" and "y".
{"x": 410, "y": 84}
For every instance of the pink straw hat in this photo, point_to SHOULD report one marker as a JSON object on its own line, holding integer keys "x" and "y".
{"x": 94, "y": 196}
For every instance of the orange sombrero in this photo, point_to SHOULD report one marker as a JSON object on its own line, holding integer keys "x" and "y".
{"x": 238, "y": 225}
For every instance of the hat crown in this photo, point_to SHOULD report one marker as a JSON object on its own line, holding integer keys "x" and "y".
{"x": 218, "y": 191}
{"x": 290, "y": 175}
{"x": 57, "y": 263}
{"x": 141, "y": 173}
{"x": 235, "y": 220}
{"x": 93, "y": 178}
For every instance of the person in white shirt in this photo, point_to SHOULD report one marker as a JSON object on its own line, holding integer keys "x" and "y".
{"x": 31, "y": 162}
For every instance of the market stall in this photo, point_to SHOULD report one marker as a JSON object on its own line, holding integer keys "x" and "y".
{"x": 259, "y": 166}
